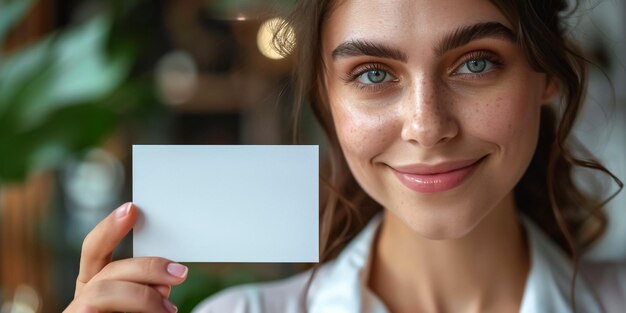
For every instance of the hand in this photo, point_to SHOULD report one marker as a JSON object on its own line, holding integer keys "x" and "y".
{"x": 130, "y": 285}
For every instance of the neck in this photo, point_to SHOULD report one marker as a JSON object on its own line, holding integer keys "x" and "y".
{"x": 485, "y": 271}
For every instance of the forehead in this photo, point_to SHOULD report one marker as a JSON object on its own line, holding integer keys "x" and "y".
{"x": 406, "y": 22}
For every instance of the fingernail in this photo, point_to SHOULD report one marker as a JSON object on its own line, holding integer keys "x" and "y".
{"x": 177, "y": 270}
{"x": 169, "y": 306}
{"x": 123, "y": 210}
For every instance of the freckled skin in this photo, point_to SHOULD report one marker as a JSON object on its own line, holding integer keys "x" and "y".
{"x": 430, "y": 116}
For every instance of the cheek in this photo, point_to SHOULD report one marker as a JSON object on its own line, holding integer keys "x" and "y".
{"x": 509, "y": 123}
{"x": 504, "y": 119}
{"x": 361, "y": 133}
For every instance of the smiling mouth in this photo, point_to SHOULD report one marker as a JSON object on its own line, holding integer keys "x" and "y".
{"x": 440, "y": 177}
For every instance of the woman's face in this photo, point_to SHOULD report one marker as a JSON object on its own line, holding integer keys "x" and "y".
{"x": 435, "y": 106}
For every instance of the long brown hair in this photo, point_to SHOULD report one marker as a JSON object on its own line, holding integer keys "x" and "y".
{"x": 546, "y": 193}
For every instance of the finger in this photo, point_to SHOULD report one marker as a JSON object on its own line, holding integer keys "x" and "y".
{"x": 99, "y": 244}
{"x": 163, "y": 290}
{"x": 144, "y": 270}
{"x": 121, "y": 296}
{"x": 75, "y": 307}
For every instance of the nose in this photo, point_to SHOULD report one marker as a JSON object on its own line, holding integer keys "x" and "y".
{"x": 428, "y": 117}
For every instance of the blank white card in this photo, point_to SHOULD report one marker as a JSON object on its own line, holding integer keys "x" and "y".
{"x": 223, "y": 203}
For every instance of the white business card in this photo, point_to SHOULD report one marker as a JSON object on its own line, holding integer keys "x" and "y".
{"x": 222, "y": 203}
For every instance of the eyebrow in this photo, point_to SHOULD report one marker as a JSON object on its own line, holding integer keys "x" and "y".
{"x": 362, "y": 47}
{"x": 455, "y": 39}
{"x": 467, "y": 34}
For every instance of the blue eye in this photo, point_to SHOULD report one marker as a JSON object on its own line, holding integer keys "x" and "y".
{"x": 475, "y": 66}
{"x": 374, "y": 76}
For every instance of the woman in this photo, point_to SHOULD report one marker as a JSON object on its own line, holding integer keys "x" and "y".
{"x": 438, "y": 117}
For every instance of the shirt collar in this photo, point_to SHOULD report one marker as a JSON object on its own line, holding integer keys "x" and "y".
{"x": 341, "y": 285}
{"x": 549, "y": 282}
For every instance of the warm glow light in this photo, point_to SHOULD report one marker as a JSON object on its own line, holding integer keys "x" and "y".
{"x": 26, "y": 300}
{"x": 265, "y": 35}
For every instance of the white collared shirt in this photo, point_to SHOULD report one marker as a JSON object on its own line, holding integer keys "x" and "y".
{"x": 340, "y": 285}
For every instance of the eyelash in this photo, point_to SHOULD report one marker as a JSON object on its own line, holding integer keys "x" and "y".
{"x": 354, "y": 75}
{"x": 474, "y": 55}
{"x": 478, "y": 55}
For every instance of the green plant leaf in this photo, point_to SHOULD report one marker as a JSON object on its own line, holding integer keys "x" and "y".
{"x": 71, "y": 67}
{"x": 57, "y": 97}
{"x": 67, "y": 131}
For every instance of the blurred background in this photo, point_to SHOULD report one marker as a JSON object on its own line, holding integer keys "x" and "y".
{"x": 82, "y": 81}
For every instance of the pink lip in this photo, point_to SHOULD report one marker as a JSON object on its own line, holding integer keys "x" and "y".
{"x": 440, "y": 177}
